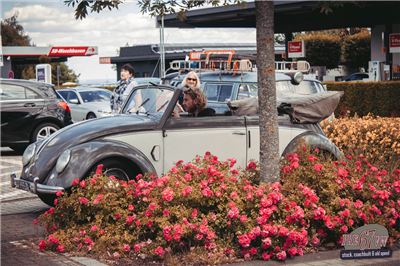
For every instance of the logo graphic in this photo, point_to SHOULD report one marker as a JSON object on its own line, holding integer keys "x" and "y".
{"x": 368, "y": 241}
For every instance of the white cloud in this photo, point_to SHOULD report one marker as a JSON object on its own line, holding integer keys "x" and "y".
{"x": 52, "y": 23}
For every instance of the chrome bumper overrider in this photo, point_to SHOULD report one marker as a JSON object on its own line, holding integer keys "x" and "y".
{"x": 34, "y": 186}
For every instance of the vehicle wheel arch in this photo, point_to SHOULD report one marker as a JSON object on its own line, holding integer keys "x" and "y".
{"x": 313, "y": 140}
{"x": 89, "y": 114}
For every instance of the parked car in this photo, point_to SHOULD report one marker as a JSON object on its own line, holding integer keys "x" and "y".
{"x": 87, "y": 102}
{"x": 221, "y": 87}
{"x": 145, "y": 138}
{"x": 30, "y": 111}
{"x": 357, "y": 76}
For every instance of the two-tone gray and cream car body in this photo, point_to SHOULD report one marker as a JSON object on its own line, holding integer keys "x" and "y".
{"x": 146, "y": 138}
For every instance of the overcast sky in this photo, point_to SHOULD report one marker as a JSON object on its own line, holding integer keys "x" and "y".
{"x": 53, "y": 23}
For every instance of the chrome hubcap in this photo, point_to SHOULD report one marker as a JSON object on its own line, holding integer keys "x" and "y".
{"x": 45, "y": 132}
{"x": 118, "y": 173}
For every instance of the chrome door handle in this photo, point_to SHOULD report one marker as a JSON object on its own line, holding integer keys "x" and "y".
{"x": 29, "y": 105}
{"x": 239, "y": 133}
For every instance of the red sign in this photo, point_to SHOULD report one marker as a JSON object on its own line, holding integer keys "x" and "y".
{"x": 394, "y": 43}
{"x": 72, "y": 51}
{"x": 296, "y": 49}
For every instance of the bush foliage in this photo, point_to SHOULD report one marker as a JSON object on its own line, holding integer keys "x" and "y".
{"x": 210, "y": 212}
{"x": 322, "y": 49}
{"x": 363, "y": 98}
{"x": 356, "y": 50}
{"x": 376, "y": 137}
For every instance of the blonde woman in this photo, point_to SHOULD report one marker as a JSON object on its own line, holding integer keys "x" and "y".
{"x": 191, "y": 80}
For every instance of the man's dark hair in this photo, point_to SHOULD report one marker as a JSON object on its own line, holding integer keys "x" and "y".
{"x": 129, "y": 68}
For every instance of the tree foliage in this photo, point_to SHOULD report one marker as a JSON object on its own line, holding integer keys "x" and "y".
{"x": 13, "y": 34}
{"x": 356, "y": 50}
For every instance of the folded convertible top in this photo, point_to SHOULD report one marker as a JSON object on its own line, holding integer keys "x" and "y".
{"x": 302, "y": 109}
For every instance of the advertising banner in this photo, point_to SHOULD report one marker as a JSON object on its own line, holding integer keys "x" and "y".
{"x": 72, "y": 51}
{"x": 394, "y": 43}
{"x": 296, "y": 49}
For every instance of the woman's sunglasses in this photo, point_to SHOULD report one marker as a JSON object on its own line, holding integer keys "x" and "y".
{"x": 190, "y": 79}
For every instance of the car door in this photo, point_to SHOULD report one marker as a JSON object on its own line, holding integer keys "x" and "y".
{"x": 186, "y": 137}
{"x": 78, "y": 112}
{"x": 19, "y": 108}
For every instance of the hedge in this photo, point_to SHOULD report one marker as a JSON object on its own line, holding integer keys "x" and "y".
{"x": 363, "y": 98}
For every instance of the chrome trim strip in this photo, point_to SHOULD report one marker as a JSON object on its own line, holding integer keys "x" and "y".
{"x": 34, "y": 186}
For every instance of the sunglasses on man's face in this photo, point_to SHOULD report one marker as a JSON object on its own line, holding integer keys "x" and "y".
{"x": 190, "y": 79}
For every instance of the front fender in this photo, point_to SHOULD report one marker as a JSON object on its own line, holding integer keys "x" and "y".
{"x": 314, "y": 140}
{"x": 87, "y": 155}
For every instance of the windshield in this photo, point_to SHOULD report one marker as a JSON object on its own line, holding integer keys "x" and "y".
{"x": 305, "y": 87}
{"x": 95, "y": 96}
{"x": 148, "y": 100}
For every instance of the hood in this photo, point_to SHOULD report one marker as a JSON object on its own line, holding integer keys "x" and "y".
{"x": 49, "y": 151}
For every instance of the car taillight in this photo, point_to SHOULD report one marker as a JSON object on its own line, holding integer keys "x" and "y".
{"x": 64, "y": 106}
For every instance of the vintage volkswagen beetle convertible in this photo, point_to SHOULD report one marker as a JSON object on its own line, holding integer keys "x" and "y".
{"x": 146, "y": 138}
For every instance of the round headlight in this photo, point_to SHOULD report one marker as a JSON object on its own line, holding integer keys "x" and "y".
{"x": 28, "y": 154}
{"x": 298, "y": 77}
{"x": 63, "y": 160}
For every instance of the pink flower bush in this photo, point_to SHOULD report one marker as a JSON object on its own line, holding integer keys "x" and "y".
{"x": 206, "y": 207}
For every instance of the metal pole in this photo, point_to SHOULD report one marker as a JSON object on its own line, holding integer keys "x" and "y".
{"x": 162, "y": 64}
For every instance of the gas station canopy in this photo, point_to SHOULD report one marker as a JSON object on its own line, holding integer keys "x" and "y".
{"x": 293, "y": 16}
{"x": 33, "y": 55}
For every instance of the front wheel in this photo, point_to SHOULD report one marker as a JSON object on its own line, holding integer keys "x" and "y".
{"x": 120, "y": 168}
{"x": 43, "y": 131}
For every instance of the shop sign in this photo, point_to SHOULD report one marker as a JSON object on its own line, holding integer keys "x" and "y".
{"x": 72, "y": 51}
{"x": 394, "y": 43}
{"x": 368, "y": 241}
{"x": 296, "y": 49}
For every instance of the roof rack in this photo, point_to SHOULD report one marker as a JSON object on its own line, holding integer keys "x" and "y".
{"x": 227, "y": 60}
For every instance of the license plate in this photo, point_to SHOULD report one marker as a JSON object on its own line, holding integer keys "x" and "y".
{"x": 23, "y": 185}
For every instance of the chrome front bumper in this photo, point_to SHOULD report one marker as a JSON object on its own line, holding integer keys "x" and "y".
{"x": 33, "y": 187}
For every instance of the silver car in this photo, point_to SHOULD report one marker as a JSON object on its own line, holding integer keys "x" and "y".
{"x": 87, "y": 102}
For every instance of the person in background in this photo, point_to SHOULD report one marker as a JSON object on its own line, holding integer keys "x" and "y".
{"x": 191, "y": 80}
{"x": 124, "y": 87}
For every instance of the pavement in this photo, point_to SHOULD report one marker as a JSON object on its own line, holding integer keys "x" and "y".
{"x": 19, "y": 236}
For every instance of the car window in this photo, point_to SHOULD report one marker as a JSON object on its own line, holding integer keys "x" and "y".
{"x": 48, "y": 91}
{"x": 247, "y": 91}
{"x": 218, "y": 92}
{"x": 305, "y": 87}
{"x": 15, "y": 92}
{"x": 69, "y": 95}
{"x": 148, "y": 100}
{"x": 95, "y": 96}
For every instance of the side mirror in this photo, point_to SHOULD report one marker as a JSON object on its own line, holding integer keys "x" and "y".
{"x": 74, "y": 101}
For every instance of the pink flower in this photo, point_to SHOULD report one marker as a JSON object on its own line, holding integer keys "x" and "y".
{"x": 42, "y": 245}
{"x": 342, "y": 173}
{"x": 129, "y": 220}
{"x": 55, "y": 202}
{"x": 168, "y": 194}
{"x": 99, "y": 169}
{"x": 292, "y": 251}
{"x": 59, "y": 193}
{"x": 94, "y": 228}
{"x": 116, "y": 255}
{"x": 252, "y": 165}
{"x": 315, "y": 241}
{"x": 244, "y": 240}
{"x": 166, "y": 213}
{"x": 60, "y": 248}
{"x": 82, "y": 184}
{"x": 117, "y": 216}
{"x": 75, "y": 182}
{"x": 207, "y": 192}
{"x": 159, "y": 251}
{"x": 243, "y": 218}
{"x": 281, "y": 255}
{"x": 312, "y": 158}
{"x": 131, "y": 207}
{"x": 344, "y": 229}
{"x": 266, "y": 243}
{"x": 358, "y": 204}
{"x": 194, "y": 213}
{"x": 136, "y": 248}
{"x": 186, "y": 191}
{"x": 127, "y": 248}
{"x": 318, "y": 167}
{"x": 83, "y": 200}
{"x": 97, "y": 199}
{"x": 232, "y": 162}
{"x": 233, "y": 213}
{"x": 266, "y": 256}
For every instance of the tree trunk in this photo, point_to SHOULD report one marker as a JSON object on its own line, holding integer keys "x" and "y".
{"x": 269, "y": 140}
